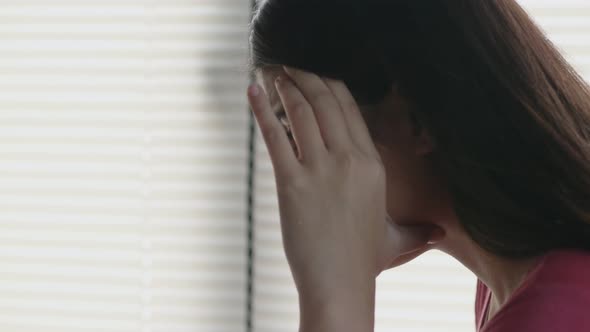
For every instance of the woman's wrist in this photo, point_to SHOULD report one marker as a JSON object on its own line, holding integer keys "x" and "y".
{"x": 344, "y": 309}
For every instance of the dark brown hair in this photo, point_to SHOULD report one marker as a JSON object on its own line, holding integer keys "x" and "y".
{"x": 509, "y": 115}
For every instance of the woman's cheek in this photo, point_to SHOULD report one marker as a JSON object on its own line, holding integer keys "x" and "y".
{"x": 402, "y": 200}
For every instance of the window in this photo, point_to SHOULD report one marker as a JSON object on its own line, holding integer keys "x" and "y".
{"x": 125, "y": 168}
{"x": 124, "y": 164}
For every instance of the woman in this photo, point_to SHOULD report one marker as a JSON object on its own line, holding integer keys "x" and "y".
{"x": 418, "y": 125}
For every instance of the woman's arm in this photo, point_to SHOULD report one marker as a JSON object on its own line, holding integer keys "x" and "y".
{"x": 341, "y": 310}
{"x": 336, "y": 232}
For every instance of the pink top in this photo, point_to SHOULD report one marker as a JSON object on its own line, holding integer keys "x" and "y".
{"x": 554, "y": 297}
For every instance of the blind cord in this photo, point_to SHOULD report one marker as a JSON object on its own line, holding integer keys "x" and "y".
{"x": 250, "y": 209}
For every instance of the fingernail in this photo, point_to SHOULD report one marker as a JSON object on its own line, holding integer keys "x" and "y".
{"x": 254, "y": 90}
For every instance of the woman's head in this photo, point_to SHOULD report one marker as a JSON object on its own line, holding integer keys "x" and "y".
{"x": 469, "y": 104}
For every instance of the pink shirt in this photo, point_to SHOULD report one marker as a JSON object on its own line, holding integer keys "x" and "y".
{"x": 555, "y": 297}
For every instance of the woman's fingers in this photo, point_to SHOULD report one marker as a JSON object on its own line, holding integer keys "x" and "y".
{"x": 323, "y": 116}
{"x": 354, "y": 120}
{"x": 278, "y": 145}
{"x": 326, "y": 108}
{"x": 304, "y": 126}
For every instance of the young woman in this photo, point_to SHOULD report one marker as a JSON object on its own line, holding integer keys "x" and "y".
{"x": 417, "y": 125}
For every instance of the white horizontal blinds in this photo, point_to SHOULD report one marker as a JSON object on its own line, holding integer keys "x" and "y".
{"x": 123, "y": 165}
{"x": 567, "y": 24}
{"x": 433, "y": 292}
{"x": 200, "y": 159}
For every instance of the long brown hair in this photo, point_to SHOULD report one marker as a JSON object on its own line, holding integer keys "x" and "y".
{"x": 511, "y": 118}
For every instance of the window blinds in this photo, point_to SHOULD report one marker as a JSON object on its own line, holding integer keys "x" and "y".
{"x": 123, "y": 165}
{"x": 124, "y": 175}
{"x": 434, "y": 293}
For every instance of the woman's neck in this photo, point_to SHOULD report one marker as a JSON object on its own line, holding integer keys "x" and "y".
{"x": 502, "y": 275}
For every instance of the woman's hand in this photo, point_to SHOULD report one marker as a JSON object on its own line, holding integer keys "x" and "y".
{"x": 331, "y": 189}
